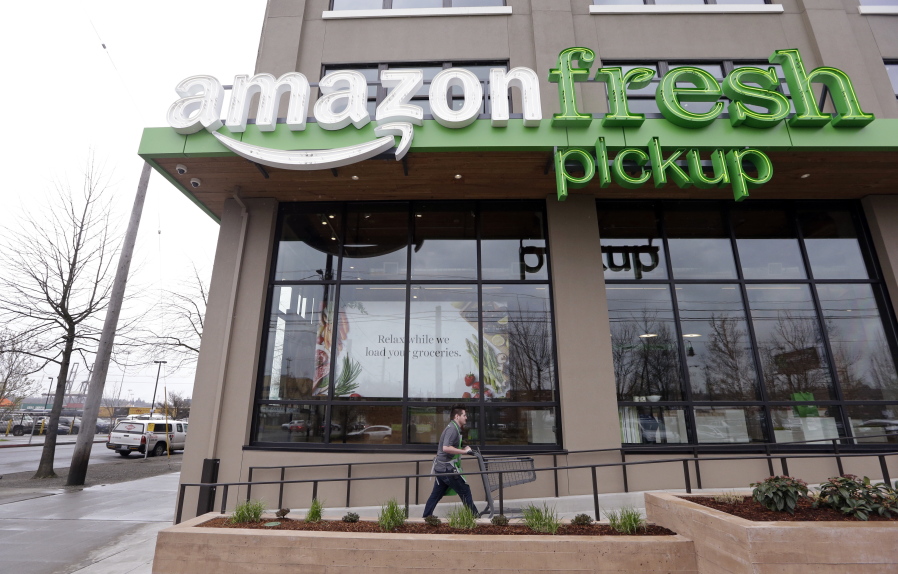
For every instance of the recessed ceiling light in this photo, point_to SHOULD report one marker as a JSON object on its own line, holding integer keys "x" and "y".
{"x": 330, "y": 216}
{"x": 323, "y": 222}
{"x": 805, "y": 175}
{"x": 418, "y": 215}
{"x": 355, "y": 178}
{"x": 458, "y": 176}
{"x": 692, "y": 335}
{"x": 648, "y": 335}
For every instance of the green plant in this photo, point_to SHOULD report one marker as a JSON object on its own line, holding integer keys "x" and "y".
{"x": 391, "y": 516}
{"x": 249, "y": 511}
{"x": 462, "y": 517}
{"x": 729, "y": 497}
{"x": 315, "y": 510}
{"x": 627, "y": 520}
{"x": 780, "y": 493}
{"x": 499, "y": 520}
{"x": 857, "y": 497}
{"x": 432, "y": 520}
{"x": 350, "y": 517}
{"x": 582, "y": 520}
{"x": 541, "y": 519}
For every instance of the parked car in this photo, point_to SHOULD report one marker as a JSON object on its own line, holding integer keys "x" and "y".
{"x": 374, "y": 433}
{"x": 102, "y": 426}
{"x": 16, "y": 424}
{"x": 139, "y": 435}
{"x": 286, "y": 426}
{"x": 74, "y": 424}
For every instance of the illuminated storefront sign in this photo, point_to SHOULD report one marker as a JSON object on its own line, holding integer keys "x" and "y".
{"x": 343, "y": 101}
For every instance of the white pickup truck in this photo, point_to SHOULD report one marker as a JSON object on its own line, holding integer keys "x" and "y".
{"x": 139, "y": 435}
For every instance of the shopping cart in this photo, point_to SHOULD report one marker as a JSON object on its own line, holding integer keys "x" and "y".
{"x": 516, "y": 470}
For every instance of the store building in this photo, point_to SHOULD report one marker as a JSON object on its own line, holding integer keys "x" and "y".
{"x": 454, "y": 203}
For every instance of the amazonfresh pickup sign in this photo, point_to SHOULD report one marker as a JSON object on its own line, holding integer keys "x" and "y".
{"x": 343, "y": 101}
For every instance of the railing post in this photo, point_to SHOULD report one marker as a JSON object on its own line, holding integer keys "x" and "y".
{"x": 224, "y": 499}
{"x": 281, "y": 489}
{"x": 348, "y": 482}
{"x": 314, "y": 490}
{"x": 595, "y": 493}
{"x": 885, "y": 471}
{"x": 623, "y": 458}
{"x": 183, "y": 491}
{"x": 686, "y": 476}
{"x": 698, "y": 472}
{"x": 417, "y": 481}
{"x": 555, "y": 472}
{"x": 769, "y": 460}
{"x": 838, "y": 458}
{"x": 501, "y": 493}
{"x": 785, "y": 466}
{"x": 249, "y": 487}
{"x": 406, "y": 496}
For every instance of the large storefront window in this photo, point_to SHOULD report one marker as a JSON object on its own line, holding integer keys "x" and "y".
{"x": 761, "y": 322}
{"x": 382, "y": 315}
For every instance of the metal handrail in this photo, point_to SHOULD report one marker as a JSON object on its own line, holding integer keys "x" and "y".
{"x": 769, "y": 449}
{"x": 593, "y": 468}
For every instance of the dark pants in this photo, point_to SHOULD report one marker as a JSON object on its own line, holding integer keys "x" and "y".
{"x": 443, "y": 483}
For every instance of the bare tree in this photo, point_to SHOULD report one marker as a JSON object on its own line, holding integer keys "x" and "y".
{"x": 183, "y": 313}
{"x": 178, "y": 405}
{"x": 16, "y": 366}
{"x": 57, "y": 280}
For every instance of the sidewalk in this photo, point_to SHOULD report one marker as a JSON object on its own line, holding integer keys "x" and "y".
{"x": 38, "y": 440}
{"x": 105, "y": 529}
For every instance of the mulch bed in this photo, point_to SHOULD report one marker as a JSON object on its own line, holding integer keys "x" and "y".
{"x": 420, "y": 528}
{"x": 751, "y": 510}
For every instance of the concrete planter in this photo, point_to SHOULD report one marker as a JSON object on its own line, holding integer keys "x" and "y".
{"x": 726, "y": 544}
{"x": 184, "y": 549}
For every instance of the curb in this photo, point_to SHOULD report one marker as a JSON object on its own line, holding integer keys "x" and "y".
{"x": 42, "y": 444}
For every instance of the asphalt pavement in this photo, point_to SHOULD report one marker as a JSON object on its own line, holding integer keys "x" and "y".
{"x": 103, "y": 529}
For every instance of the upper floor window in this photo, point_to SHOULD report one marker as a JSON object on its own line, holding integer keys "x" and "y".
{"x": 642, "y": 101}
{"x": 675, "y": 2}
{"x": 377, "y": 92}
{"x": 879, "y": 2}
{"x": 400, "y": 4}
{"x": 892, "y": 69}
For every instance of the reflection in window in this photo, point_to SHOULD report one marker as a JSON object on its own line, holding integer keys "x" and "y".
{"x": 631, "y": 245}
{"x": 443, "y": 342}
{"x": 790, "y": 343}
{"x": 308, "y": 243}
{"x": 299, "y": 335}
{"x": 864, "y": 363}
{"x": 653, "y": 425}
{"x": 378, "y": 425}
{"x": 718, "y": 349}
{"x": 644, "y": 343}
{"x": 870, "y": 422}
{"x": 290, "y": 423}
{"x": 520, "y": 425}
{"x": 513, "y": 242}
{"x": 370, "y": 342}
{"x": 445, "y": 242}
{"x": 518, "y": 351}
{"x": 729, "y": 424}
{"x": 804, "y": 423}
{"x": 376, "y": 240}
{"x": 699, "y": 244}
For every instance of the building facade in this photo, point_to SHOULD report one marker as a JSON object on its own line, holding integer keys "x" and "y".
{"x": 650, "y": 225}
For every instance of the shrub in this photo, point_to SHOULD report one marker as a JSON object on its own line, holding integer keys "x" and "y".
{"x": 350, "y": 517}
{"x": 462, "y": 517}
{"x": 249, "y": 511}
{"x": 541, "y": 519}
{"x": 627, "y": 520}
{"x": 391, "y": 516}
{"x": 729, "y": 497}
{"x": 780, "y": 493}
{"x": 582, "y": 520}
{"x": 499, "y": 520}
{"x": 432, "y": 520}
{"x": 857, "y": 497}
{"x": 315, "y": 510}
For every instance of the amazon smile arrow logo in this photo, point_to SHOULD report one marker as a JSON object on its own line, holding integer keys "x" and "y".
{"x": 305, "y": 160}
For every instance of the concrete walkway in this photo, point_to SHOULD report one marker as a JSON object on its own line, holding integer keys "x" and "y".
{"x": 107, "y": 529}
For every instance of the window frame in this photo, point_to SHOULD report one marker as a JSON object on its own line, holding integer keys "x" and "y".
{"x": 388, "y": 5}
{"x": 336, "y": 281}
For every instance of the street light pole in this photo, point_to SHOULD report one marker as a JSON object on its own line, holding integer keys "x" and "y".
{"x": 153, "y": 404}
{"x": 49, "y": 390}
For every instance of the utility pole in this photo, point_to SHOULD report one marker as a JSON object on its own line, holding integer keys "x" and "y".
{"x": 158, "y": 369}
{"x": 49, "y": 390}
{"x": 81, "y": 456}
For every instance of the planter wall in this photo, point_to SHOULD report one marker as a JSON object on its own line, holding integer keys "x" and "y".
{"x": 184, "y": 549}
{"x": 726, "y": 544}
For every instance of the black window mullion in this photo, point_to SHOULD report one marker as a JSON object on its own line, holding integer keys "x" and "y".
{"x": 481, "y": 411}
{"x": 408, "y": 303}
{"x": 332, "y": 319}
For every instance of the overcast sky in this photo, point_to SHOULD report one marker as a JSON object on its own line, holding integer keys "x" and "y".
{"x": 64, "y": 95}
